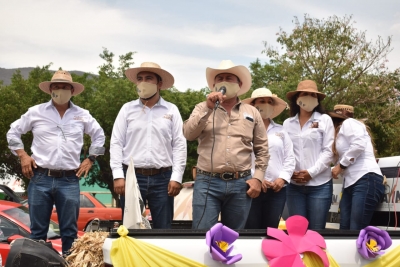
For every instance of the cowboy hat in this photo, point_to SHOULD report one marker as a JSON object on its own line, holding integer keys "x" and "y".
{"x": 227, "y": 66}
{"x": 342, "y": 111}
{"x": 306, "y": 86}
{"x": 279, "y": 104}
{"x": 61, "y": 76}
{"x": 166, "y": 77}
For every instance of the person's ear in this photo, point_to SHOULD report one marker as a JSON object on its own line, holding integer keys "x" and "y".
{"x": 240, "y": 84}
{"x": 159, "y": 84}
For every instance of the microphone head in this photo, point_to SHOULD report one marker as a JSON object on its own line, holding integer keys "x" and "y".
{"x": 222, "y": 89}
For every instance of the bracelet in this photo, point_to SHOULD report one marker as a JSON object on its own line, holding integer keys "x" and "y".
{"x": 342, "y": 167}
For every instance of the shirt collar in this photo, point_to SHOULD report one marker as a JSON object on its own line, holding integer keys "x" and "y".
{"x": 50, "y": 104}
{"x": 315, "y": 116}
{"x": 271, "y": 125}
{"x": 160, "y": 102}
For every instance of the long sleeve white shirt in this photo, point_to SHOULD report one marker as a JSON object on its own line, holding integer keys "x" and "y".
{"x": 57, "y": 142}
{"x": 312, "y": 146}
{"x": 282, "y": 162}
{"x": 355, "y": 150}
{"x": 153, "y": 137}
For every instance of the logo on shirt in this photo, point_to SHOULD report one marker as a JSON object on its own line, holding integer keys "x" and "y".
{"x": 79, "y": 118}
{"x": 168, "y": 117}
{"x": 280, "y": 135}
{"x": 314, "y": 124}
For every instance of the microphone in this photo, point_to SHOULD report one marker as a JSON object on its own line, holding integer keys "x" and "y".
{"x": 222, "y": 89}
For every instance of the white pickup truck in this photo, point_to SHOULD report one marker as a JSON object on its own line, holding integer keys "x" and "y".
{"x": 340, "y": 244}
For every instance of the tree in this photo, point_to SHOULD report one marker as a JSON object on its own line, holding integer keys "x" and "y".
{"x": 347, "y": 67}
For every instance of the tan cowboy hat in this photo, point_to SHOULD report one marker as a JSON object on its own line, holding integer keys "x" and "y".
{"x": 166, "y": 77}
{"x": 279, "y": 104}
{"x": 227, "y": 66}
{"x": 61, "y": 76}
{"x": 306, "y": 86}
{"x": 342, "y": 111}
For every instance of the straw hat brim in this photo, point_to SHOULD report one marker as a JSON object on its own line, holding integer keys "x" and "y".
{"x": 240, "y": 71}
{"x": 289, "y": 95}
{"x": 335, "y": 115}
{"x": 45, "y": 86}
{"x": 279, "y": 104}
{"x": 166, "y": 77}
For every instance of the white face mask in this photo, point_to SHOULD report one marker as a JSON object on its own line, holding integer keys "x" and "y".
{"x": 61, "y": 96}
{"x": 266, "y": 110}
{"x": 146, "y": 90}
{"x": 308, "y": 103}
{"x": 231, "y": 89}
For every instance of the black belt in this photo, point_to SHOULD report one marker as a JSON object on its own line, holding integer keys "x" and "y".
{"x": 226, "y": 175}
{"x": 55, "y": 173}
{"x": 150, "y": 171}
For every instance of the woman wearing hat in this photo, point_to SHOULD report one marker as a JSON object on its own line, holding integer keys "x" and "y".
{"x": 309, "y": 193}
{"x": 363, "y": 187}
{"x": 267, "y": 208}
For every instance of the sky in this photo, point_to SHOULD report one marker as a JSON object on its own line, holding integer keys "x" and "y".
{"x": 184, "y": 37}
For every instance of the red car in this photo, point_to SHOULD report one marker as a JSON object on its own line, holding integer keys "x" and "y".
{"x": 90, "y": 209}
{"x": 15, "y": 222}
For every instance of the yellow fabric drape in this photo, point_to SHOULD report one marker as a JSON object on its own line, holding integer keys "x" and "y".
{"x": 313, "y": 260}
{"x": 389, "y": 259}
{"x": 127, "y": 251}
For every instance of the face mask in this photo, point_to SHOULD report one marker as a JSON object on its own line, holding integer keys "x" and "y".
{"x": 308, "y": 103}
{"x": 231, "y": 89}
{"x": 266, "y": 110}
{"x": 61, "y": 96}
{"x": 146, "y": 90}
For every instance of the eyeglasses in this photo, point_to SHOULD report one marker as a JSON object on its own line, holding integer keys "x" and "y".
{"x": 60, "y": 86}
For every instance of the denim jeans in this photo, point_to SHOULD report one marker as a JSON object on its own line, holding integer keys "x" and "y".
{"x": 266, "y": 210}
{"x": 213, "y": 195}
{"x": 360, "y": 200}
{"x": 43, "y": 192}
{"x": 154, "y": 191}
{"x": 311, "y": 202}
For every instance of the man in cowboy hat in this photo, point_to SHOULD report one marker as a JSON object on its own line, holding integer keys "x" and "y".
{"x": 149, "y": 130}
{"x": 54, "y": 167}
{"x": 227, "y": 135}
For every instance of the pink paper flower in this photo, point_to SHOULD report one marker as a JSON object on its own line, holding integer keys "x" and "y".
{"x": 285, "y": 250}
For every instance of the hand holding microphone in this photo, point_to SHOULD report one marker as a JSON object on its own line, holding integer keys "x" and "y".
{"x": 215, "y": 98}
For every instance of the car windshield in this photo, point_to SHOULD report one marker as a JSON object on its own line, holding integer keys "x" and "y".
{"x": 21, "y": 214}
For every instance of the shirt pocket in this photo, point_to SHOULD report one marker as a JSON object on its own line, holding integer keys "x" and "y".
{"x": 247, "y": 130}
{"x": 75, "y": 129}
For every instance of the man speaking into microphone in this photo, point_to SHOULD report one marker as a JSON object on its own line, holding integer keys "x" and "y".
{"x": 228, "y": 131}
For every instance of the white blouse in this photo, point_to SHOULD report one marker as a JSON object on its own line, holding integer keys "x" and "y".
{"x": 312, "y": 146}
{"x": 355, "y": 150}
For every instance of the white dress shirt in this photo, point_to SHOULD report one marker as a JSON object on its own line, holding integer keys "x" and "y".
{"x": 282, "y": 161}
{"x": 354, "y": 142}
{"x": 312, "y": 146}
{"x": 57, "y": 142}
{"x": 153, "y": 137}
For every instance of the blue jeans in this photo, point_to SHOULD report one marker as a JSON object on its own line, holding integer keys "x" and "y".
{"x": 213, "y": 195}
{"x": 266, "y": 210}
{"x": 43, "y": 192}
{"x": 154, "y": 191}
{"x": 360, "y": 200}
{"x": 311, "y": 202}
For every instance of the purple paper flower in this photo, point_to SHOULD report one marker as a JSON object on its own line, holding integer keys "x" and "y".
{"x": 220, "y": 238}
{"x": 372, "y": 241}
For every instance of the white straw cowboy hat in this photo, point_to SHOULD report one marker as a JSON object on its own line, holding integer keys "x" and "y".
{"x": 227, "y": 66}
{"x": 279, "y": 104}
{"x": 306, "y": 86}
{"x": 61, "y": 76}
{"x": 166, "y": 77}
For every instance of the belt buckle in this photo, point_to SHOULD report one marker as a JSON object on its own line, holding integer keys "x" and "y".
{"x": 226, "y": 178}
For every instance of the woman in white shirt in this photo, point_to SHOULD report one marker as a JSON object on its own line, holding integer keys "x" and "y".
{"x": 309, "y": 193}
{"x": 363, "y": 187}
{"x": 267, "y": 208}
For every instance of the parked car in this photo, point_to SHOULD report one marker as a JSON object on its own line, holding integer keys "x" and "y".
{"x": 6, "y": 193}
{"x": 15, "y": 223}
{"x": 90, "y": 209}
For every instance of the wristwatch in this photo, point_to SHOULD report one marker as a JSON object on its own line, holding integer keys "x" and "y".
{"x": 92, "y": 158}
{"x": 342, "y": 167}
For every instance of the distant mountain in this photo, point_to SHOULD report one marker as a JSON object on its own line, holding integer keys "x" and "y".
{"x": 6, "y": 74}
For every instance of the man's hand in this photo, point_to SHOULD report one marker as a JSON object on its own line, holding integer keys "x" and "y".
{"x": 301, "y": 177}
{"x": 84, "y": 168}
{"x": 213, "y": 97}
{"x": 336, "y": 171}
{"x": 27, "y": 163}
{"x": 255, "y": 187}
{"x": 119, "y": 186}
{"x": 278, "y": 184}
{"x": 265, "y": 185}
{"x": 174, "y": 188}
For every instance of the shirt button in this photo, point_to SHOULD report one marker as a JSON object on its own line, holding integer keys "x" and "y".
{"x": 228, "y": 136}
{"x": 227, "y": 149}
{"x": 227, "y": 163}
{"x": 229, "y": 124}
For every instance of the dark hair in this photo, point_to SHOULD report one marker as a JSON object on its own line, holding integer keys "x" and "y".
{"x": 294, "y": 108}
{"x": 158, "y": 77}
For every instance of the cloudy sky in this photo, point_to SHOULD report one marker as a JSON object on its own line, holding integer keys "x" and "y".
{"x": 184, "y": 36}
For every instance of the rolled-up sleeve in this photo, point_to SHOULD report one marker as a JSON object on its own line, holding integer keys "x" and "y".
{"x": 260, "y": 148}
{"x": 179, "y": 151}
{"x": 197, "y": 121}
{"x": 96, "y": 133}
{"x": 117, "y": 142}
{"x": 17, "y": 128}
